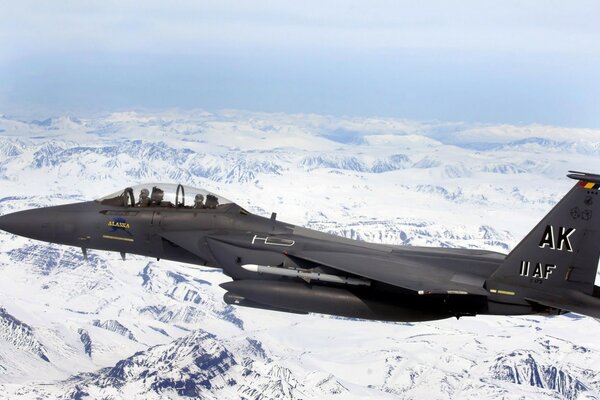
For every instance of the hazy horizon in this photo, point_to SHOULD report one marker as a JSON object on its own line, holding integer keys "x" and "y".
{"x": 509, "y": 62}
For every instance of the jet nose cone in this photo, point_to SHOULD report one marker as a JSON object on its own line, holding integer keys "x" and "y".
{"x": 10, "y": 223}
{"x": 57, "y": 224}
{"x": 33, "y": 224}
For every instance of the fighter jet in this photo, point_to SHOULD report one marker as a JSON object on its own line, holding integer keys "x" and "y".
{"x": 277, "y": 266}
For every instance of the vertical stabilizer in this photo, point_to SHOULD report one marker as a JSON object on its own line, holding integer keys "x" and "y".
{"x": 562, "y": 251}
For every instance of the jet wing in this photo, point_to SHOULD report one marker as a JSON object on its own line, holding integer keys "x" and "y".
{"x": 420, "y": 275}
{"x": 424, "y": 271}
{"x": 572, "y": 301}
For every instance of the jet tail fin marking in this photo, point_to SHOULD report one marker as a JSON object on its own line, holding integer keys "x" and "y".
{"x": 561, "y": 253}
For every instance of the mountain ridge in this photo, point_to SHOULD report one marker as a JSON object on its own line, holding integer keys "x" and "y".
{"x": 395, "y": 182}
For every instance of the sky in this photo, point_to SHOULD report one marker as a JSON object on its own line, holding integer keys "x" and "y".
{"x": 517, "y": 62}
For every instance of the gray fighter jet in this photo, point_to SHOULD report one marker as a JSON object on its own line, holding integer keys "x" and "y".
{"x": 282, "y": 267}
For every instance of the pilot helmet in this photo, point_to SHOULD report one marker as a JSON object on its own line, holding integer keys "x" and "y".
{"x": 144, "y": 193}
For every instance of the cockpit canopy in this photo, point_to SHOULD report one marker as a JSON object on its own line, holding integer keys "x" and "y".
{"x": 164, "y": 195}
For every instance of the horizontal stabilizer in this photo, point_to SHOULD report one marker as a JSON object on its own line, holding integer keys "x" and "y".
{"x": 571, "y": 300}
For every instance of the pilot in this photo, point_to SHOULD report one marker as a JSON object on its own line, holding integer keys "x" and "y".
{"x": 199, "y": 201}
{"x": 144, "y": 200}
{"x": 157, "y": 196}
{"x": 211, "y": 201}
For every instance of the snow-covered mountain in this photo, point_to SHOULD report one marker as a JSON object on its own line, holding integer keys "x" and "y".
{"x": 107, "y": 328}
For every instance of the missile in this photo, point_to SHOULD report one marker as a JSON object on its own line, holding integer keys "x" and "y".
{"x": 306, "y": 275}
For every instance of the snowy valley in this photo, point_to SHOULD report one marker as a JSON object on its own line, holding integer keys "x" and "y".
{"x": 141, "y": 328}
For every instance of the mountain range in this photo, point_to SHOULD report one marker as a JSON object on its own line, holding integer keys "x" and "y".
{"x": 72, "y": 328}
